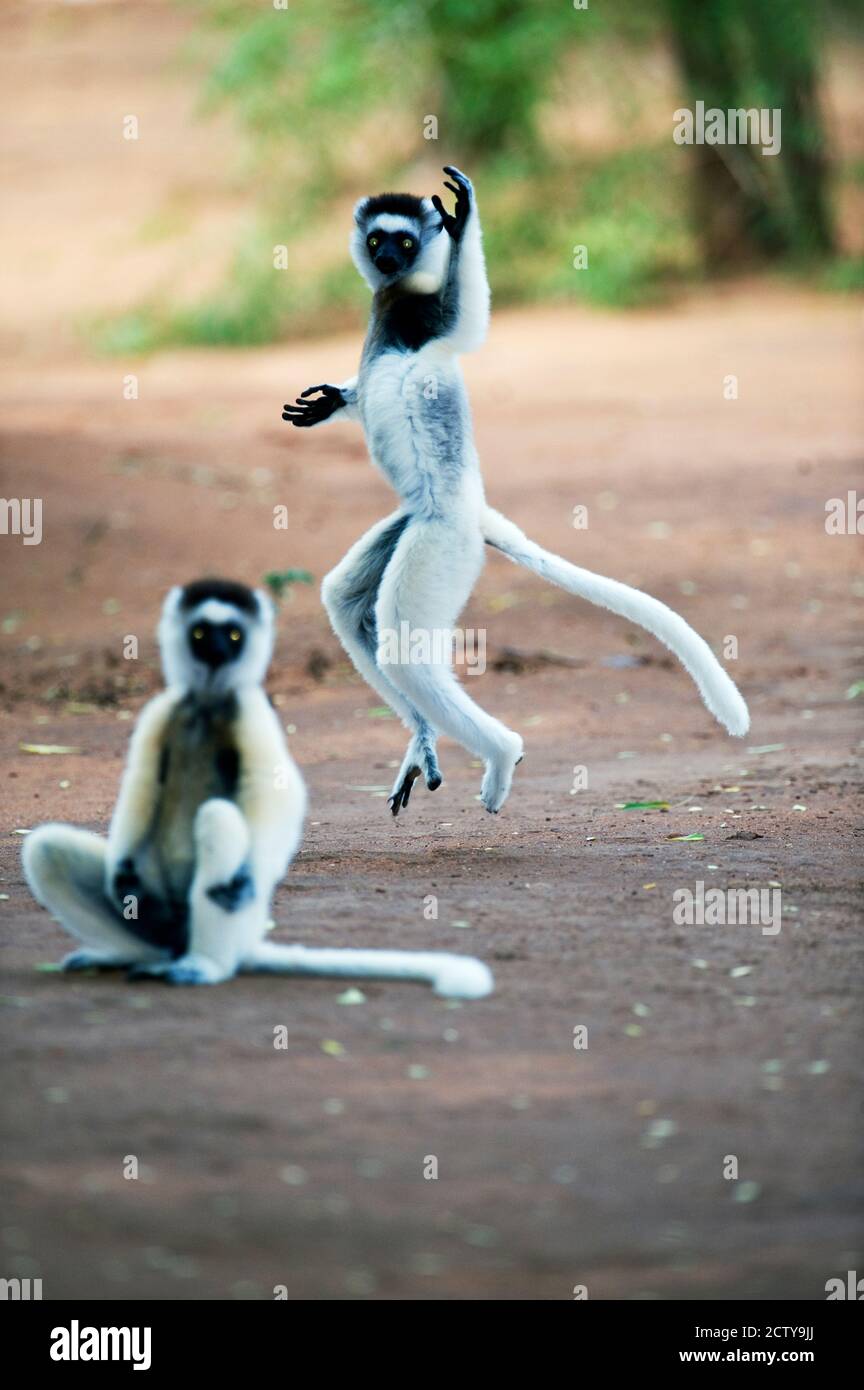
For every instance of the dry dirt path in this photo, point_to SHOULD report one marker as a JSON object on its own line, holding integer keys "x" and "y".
{"x": 556, "y": 1166}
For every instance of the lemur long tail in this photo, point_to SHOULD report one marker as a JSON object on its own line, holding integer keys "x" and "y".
{"x": 717, "y": 690}
{"x": 455, "y": 977}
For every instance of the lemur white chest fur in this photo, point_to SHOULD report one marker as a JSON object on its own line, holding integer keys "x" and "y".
{"x": 415, "y": 414}
{"x": 418, "y": 566}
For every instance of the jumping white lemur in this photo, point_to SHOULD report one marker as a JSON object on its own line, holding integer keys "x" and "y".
{"x": 419, "y": 565}
{"x": 209, "y": 816}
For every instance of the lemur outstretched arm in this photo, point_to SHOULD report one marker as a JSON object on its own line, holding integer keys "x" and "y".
{"x": 139, "y": 787}
{"x": 334, "y": 400}
{"x": 465, "y": 293}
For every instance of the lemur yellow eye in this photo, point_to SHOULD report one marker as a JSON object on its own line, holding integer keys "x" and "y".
{"x": 407, "y": 243}
{"x": 197, "y": 634}
{"x": 373, "y": 242}
{"x": 235, "y": 634}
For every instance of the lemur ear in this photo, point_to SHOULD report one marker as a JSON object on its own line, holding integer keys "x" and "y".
{"x": 360, "y": 211}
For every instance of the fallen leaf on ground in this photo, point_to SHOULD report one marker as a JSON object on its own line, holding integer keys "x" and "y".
{"x": 47, "y": 748}
{"x": 351, "y": 996}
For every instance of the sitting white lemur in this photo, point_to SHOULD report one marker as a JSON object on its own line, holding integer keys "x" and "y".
{"x": 210, "y": 815}
{"x": 419, "y": 565}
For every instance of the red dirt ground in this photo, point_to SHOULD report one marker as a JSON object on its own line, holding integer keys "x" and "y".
{"x": 556, "y": 1167}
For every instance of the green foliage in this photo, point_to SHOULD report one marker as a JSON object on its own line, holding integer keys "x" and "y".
{"x": 279, "y": 581}
{"x": 333, "y": 96}
{"x": 256, "y": 305}
{"x": 300, "y": 76}
{"x": 627, "y": 210}
{"x": 493, "y": 60}
{"x": 845, "y": 275}
{"x": 482, "y": 66}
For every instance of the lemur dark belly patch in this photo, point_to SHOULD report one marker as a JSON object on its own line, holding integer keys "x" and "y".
{"x": 200, "y": 760}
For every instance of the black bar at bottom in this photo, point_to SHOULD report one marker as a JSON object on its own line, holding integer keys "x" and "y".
{"x": 66, "y": 1339}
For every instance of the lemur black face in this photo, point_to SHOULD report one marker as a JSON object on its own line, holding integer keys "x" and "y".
{"x": 216, "y": 636}
{"x": 392, "y": 253}
{"x": 216, "y": 644}
{"x": 392, "y": 232}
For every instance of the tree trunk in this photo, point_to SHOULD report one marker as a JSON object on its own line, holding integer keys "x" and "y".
{"x": 753, "y": 53}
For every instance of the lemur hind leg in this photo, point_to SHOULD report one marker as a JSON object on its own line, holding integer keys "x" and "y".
{"x": 228, "y": 910}
{"x": 65, "y": 868}
{"x": 350, "y": 593}
{"x": 432, "y": 572}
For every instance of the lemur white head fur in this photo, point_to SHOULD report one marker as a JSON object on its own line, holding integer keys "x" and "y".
{"x": 398, "y": 237}
{"x": 216, "y": 636}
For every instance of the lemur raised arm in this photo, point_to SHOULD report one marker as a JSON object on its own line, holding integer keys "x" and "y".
{"x": 418, "y": 566}
{"x": 209, "y": 816}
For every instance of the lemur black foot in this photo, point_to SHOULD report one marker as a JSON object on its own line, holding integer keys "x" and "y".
{"x": 235, "y": 894}
{"x": 399, "y": 799}
{"x": 431, "y": 770}
{"x": 431, "y": 773}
